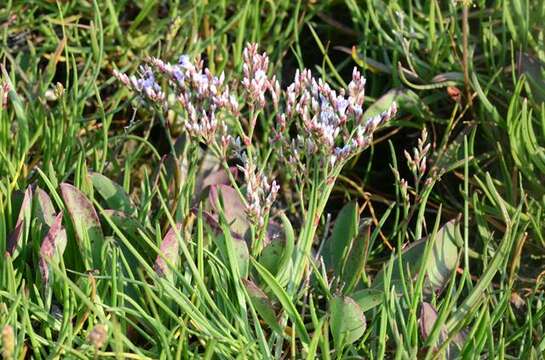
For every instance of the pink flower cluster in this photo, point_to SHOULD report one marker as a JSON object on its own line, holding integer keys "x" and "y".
{"x": 260, "y": 193}
{"x": 331, "y": 122}
{"x": 144, "y": 85}
{"x": 202, "y": 95}
{"x": 255, "y": 80}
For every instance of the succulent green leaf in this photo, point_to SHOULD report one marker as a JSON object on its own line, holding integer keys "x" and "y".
{"x": 440, "y": 264}
{"x": 344, "y": 231}
{"x": 347, "y": 320}
{"x": 113, "y": 193}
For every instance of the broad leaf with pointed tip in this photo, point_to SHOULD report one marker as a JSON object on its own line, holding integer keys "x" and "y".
{"x": 262, "y": 304}
{"x": 534, "y": 69}
{"x": 52, "y": 248}
{"x": 271, "y": 255}
{"x": 442, "y": 261}
{"x": 452, "y": 76}
{"x": 132, "y": 229}
{"x": 241, "y": 254}
{"x": 367, "y": 299}
{"x": 209, "y": 173}
{"x": 113, "y": 193}
{"x": 20, "y": 233}
{"x": 347, "y": 320}
{"x": 169, "y": 250}
{"x": 407, "y": 101}
{"x": 275, "y": 243}
{"x": 428, "y": 317}
{"x": 43, "y": 207}
{"x": 86, "y": 225}
{"x": 128, "y": 224}
{"x": 232, "y": 206}
{"x": 277, "y": 255}
{"x": 355, "y": 258}
{"x": 338, "y": 244}
{"x": 427, "y": 320}
{"x": 217, "y": 177}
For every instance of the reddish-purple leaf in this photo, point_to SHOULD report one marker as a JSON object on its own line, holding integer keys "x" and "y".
{"x": 43, "y": 211}
{"x": 428, "y": 316}
{"x": 43, "y": 207}
{"x": 169, "y": 250}
{"x": 16, "y": 238}
{"x": 52, "y": 247}
{"x": 232, "y": 205}
{"x": 86, "y": 224}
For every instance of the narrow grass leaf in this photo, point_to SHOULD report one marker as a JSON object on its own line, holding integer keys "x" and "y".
{"x": 284, "y": 299}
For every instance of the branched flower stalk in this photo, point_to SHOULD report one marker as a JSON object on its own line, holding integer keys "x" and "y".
{"x": 423, "y": 178}
{"x": 331, "y": 129}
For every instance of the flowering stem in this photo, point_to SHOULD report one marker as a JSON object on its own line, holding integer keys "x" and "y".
{"x": 257, "y": 245}
{"x": 320, "y": 192}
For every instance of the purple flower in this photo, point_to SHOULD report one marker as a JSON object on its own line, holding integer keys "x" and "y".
{"x": 184, "y": 61}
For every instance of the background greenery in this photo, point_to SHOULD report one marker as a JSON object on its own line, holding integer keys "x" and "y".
{"x": 471, "y": 73}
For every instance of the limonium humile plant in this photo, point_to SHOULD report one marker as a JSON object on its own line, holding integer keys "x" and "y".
{"x": 315, "y": 130}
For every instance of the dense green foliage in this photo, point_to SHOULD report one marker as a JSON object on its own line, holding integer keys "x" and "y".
{"x": 123, "y": 234}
